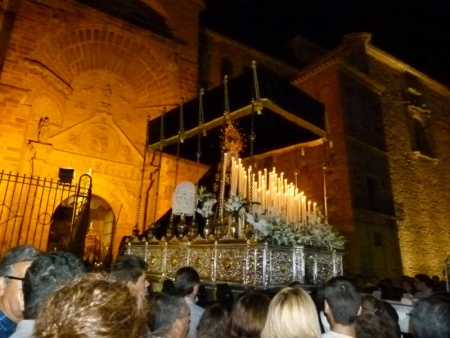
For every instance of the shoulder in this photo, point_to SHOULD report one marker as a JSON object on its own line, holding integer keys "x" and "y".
{"x": 195, "y": 308}
{"x": 24, "y": 329}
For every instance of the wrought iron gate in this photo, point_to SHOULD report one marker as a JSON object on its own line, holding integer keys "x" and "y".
{"x": 27, "y": 208}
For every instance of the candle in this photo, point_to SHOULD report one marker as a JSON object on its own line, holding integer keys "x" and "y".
{"x": 222, "y": 188}
{"x": 309, "y": 211}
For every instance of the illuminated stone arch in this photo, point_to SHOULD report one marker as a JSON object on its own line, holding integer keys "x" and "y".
{"x": 89, "y": 47}
{"x": 99, "y": 236}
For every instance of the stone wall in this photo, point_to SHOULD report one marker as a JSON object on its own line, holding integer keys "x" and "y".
{"x": 95, "y": 78}
{"x": 419, "y": 183}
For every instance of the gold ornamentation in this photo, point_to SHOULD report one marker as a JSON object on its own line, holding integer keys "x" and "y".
{"x": 153, "y": 260}
{"x": 233, "y": 139}
{"x": 226, "y": 262}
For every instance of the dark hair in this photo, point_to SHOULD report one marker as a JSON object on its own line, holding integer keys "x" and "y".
{"x": 164, "y": 310}
{"x": 185, "y": 280}
{"x": 128, "y": 268}
{"x": 376, "y": 320}
{"x": 92, "y": 306}
{"x": 249, "y": 315}
{"x": 168, "y": 287}
{"x": 214, "y": 322}
{"x": 430, "y": 317}
{"x": 343, "y": 299}
{"x": 424, "y": 279}
{"x": 44, "y": 275}
{"x": 21, "y": 253}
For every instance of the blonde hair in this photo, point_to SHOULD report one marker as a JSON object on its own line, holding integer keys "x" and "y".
{"x": 292, "y": 314}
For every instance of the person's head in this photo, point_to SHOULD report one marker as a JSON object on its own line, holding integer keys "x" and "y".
{"x": 407, "y": 284}
{"x": 292, "y": 314}
{"x": 168, "y": 287}
{"x": 187, "y": 281}
{"x": 422, "y": 282}
{"x": 375, "y": 320}
{"x": 169, "y": 316}
{"x": 44, "y": 275}
{"x": 340, "y": 300}
{"x": 213, "y": 323}
{"x": 249, "y": 314}
{"x": 12, "y": 271}
{"x": 430, "y": 317}
{"x": 435, "y": 279}
{"x": 92, "y": 306}
{"x": 132, "y": 270}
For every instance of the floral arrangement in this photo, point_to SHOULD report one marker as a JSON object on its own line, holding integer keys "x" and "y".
{"x": 235, "y": 205}
{"x": 206, "y": 202}
{"x": 278, "y": 231}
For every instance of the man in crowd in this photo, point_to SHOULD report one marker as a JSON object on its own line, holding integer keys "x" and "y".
{"x": 430, "y": 317}
{"x": 12, "y": 272}
{"x": 169, "y": 317}
{"x": 131, "y": 270}
{"x": 187, "y": 284}
{"x": 341, "y": 304}
{"x": 44, "y": 275}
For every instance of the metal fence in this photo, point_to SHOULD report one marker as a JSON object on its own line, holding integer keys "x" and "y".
{"x": 28, "y": 205}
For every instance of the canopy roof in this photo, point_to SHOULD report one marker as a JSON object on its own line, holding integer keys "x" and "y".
{"x": 289, "y": 116}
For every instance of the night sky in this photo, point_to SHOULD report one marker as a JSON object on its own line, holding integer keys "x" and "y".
{"x": 416, "y": 32}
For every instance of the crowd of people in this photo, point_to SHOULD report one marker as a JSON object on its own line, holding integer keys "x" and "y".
{"x": 51, "y": 295}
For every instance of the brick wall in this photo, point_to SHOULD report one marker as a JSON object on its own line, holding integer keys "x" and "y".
{"x": 96, "y": 78}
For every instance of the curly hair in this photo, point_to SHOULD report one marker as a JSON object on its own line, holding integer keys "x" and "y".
{"x": 92, "y": 306}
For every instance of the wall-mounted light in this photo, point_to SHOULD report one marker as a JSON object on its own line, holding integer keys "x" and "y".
{"x": 66, "y": 175}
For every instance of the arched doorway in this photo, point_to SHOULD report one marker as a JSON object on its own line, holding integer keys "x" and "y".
{"x": 99, "y": 236}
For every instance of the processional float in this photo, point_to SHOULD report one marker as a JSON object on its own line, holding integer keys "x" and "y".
{"x": 256, "y": 228}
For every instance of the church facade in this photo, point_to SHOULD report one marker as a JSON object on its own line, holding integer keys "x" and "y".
{"x": 79, "y": 81}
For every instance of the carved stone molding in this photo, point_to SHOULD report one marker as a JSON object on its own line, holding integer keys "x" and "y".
{"x": 49, "y": 76}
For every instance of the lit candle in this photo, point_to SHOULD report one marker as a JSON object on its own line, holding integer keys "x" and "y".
{"x": 222, "y": 190}
{"x": 303, "y": 208}
{"x": 309, "y": 210}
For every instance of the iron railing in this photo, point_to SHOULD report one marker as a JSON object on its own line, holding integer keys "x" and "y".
{"x": 28, "y": 205}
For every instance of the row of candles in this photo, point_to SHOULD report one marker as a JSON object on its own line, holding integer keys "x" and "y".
{"x": 271, "y": 191}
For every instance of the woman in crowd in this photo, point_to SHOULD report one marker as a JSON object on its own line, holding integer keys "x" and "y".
{"x": 248, "y": 316}
{"x": 376, "y": 320}
{"x": 214, "y": 323}
{"x": 92, "y": 306}
{"x": 292, "y": 314}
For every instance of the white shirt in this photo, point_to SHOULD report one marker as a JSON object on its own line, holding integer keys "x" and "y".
{"x": 196, "y": 314}
{"x": 331, "y": 334}
{"x": 24, "y": 329}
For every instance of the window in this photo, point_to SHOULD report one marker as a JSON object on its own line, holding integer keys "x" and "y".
{"x": 419, "y": 114}
{"x": 421, "y": 141}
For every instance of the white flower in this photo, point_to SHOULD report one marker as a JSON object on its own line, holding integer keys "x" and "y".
{"x": 206, "y": 201}
{"x": 234, "y": 205}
